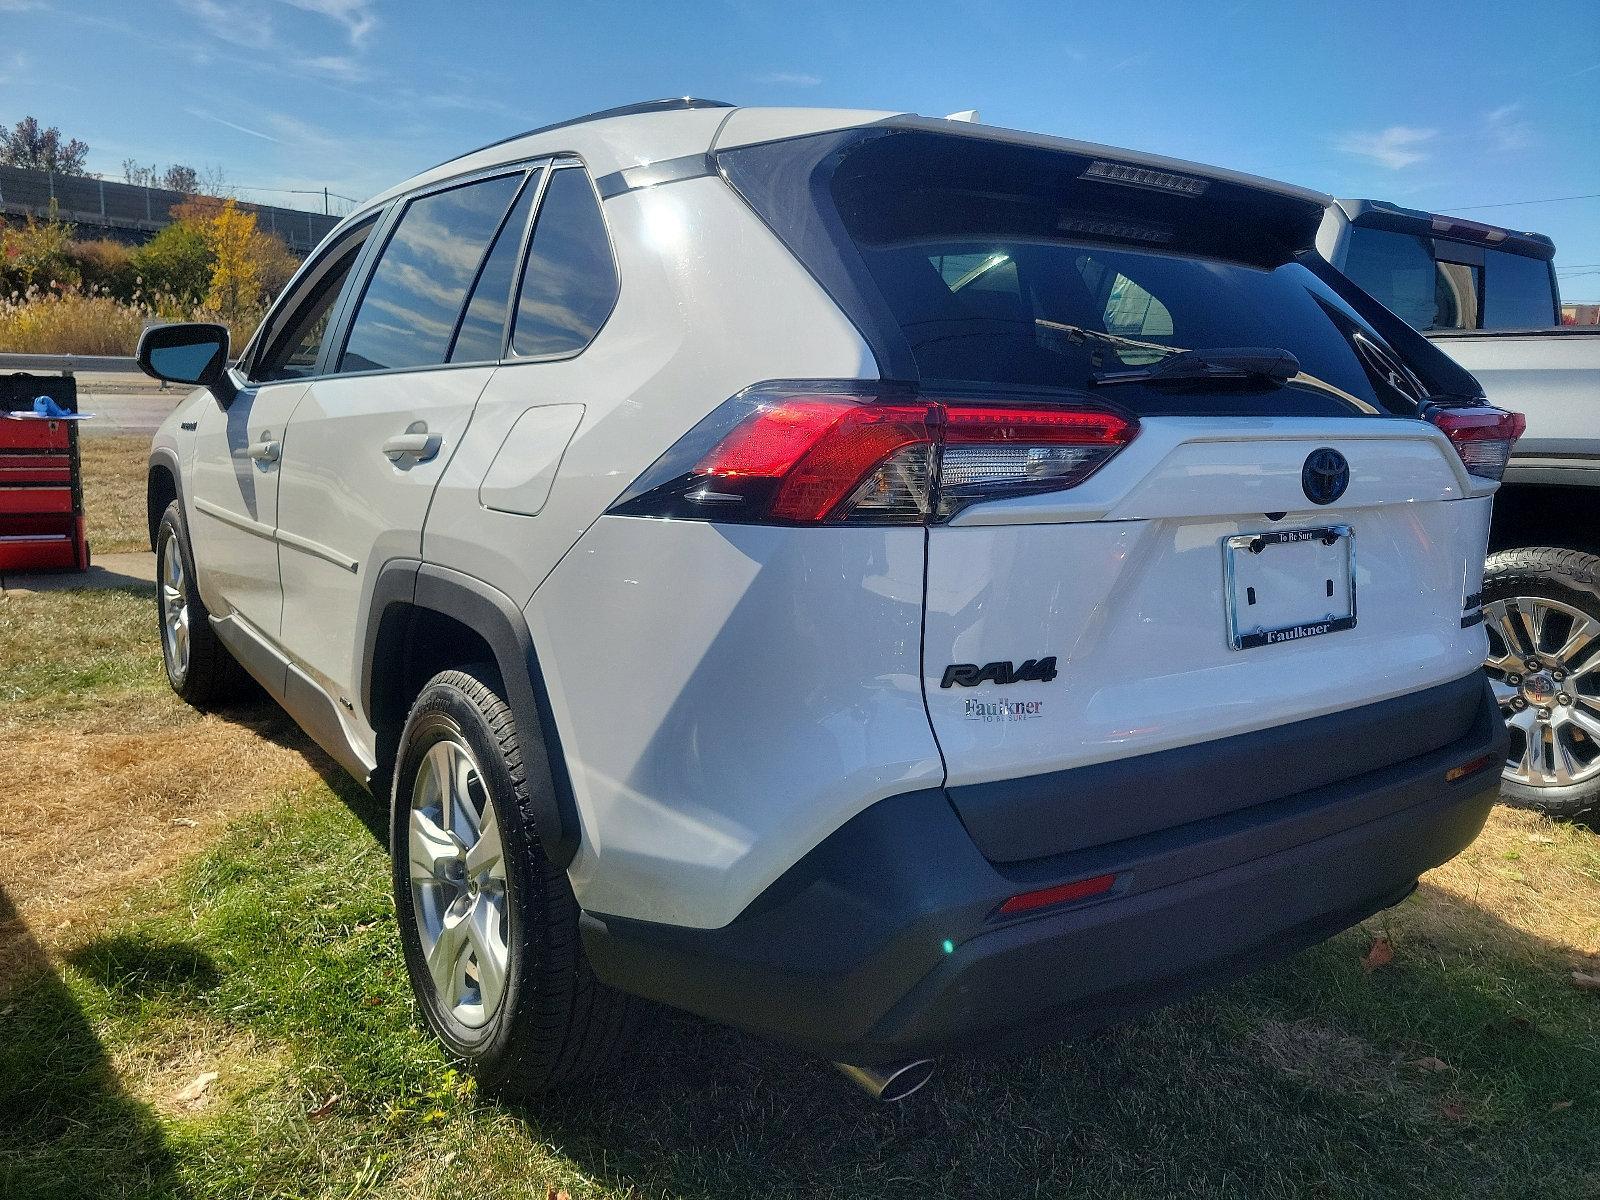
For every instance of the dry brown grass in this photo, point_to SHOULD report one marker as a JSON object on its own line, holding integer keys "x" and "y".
{"x": 110, "y": 780}
{"x": 92, "y": 816}
{"x": 114, "y": 492}
{"x": 1538, "y": 876}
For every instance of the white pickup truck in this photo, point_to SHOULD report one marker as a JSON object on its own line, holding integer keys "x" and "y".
{"x": 1487, "y": 297}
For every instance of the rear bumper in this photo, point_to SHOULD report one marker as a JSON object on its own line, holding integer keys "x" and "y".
{"x": 883, "y": 941}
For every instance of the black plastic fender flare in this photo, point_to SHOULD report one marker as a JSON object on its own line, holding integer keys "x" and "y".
{"x": 408, "y": 585}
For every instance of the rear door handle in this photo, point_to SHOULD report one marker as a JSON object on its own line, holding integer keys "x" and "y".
{"x": 265, "y": 452}
{"x": 422, "y": 445}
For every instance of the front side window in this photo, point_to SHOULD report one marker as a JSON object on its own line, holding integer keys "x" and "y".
{"x": 293, "y": 340}
{"x": 569, "y": 284}
{"x": 408, "y": 316}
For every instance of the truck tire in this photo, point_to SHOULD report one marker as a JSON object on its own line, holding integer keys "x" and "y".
{"x": 1541, "y": 608}
{"x": 488, "y": 925}
{"x": 198, "y": 665}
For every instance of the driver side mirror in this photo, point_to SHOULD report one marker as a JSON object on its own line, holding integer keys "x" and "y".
{"x": 193, "y": 353}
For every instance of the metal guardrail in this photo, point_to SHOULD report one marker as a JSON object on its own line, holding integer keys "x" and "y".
{"x": 56, "y": 363}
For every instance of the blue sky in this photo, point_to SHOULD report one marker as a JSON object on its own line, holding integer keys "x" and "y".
{"x": 1443, "y": 106}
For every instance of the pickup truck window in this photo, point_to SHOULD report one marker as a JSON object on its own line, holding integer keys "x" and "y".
{"x": 1521, "y": 292}
{"x": 1430, "y": 289}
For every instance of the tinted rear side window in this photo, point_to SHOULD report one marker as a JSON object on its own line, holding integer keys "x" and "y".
{"x": 483, "y": 324}
{"x": 570, "y": 282}
{"x": 1438, "y": 285}
{"x": 408, "y": 314}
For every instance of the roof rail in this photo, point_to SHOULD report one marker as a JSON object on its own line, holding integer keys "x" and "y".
{"x": 670, "y": 104}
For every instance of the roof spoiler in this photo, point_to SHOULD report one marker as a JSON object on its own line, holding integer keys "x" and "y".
{"x": 1380, "y": 214}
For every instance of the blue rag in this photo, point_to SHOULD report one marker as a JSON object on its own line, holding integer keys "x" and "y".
{"x": 44, "y": 406}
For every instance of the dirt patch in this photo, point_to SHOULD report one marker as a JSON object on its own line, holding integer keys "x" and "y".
{"x": 92, "y": 814}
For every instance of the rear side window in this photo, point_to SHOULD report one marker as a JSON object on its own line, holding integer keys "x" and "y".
{"x": 407, "y": 317}
{"x": 569, "y": 284}
{"x": 483, "y": 325}
{"x": 1441, "y": 285}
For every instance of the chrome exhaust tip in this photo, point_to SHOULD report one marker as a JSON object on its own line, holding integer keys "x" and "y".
{"x": 889, "y": 1083}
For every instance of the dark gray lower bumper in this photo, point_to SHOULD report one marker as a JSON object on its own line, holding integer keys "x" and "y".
{"x": 883, "y": 942}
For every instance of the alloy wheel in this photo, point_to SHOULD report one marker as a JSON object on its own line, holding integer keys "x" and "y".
{"x": 458, "y": 883}
{"x": 1544, "y": 666}
{"x": 174, "y": 609}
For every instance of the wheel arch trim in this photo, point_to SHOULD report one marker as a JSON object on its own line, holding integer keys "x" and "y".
{"x": 410, "y": 585}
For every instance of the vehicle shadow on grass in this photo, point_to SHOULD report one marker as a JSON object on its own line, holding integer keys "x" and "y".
{"x": 265, "y": 718}
{"x": 68, "y": 1127}
{"x": 1299, "y": 1080}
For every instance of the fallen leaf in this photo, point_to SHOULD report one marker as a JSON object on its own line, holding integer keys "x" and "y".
{"x": 1541, "y": 839}
{"x": 325, "y": 1108}
{"x": 189, "y": 821}
{"x": 1454, "y": 1109}
{"x": 1381, "y": 954}
{"x": 1588, "y": 982}
{"x": 372, "y": 1002}
{"x": 1430, "y": 1064}
{"x": 1560, "y": 1104}
{"x": 196, "y": 1087}
{"x": 552, "y": 1194}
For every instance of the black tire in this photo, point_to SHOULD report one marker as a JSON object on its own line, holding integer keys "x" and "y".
{"x": 1571, "y": 578}
{"x": 211, "y": 677}
{"x": 553, "y": 1021}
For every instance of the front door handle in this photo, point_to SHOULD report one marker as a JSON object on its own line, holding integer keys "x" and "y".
{"x": 417, "y": 443}
{"x": 265, "y": 451}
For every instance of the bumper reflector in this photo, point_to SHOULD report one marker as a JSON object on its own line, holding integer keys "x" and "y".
{"x": 1471, "y": 767}
{"x": 1081, "y": 889}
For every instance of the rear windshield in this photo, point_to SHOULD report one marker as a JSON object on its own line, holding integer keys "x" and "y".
{"x": 1020, "y": 267}
{"x": 1434, "y": 284}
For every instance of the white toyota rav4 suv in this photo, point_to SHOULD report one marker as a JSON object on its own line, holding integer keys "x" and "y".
{"x": 887, "y": 584}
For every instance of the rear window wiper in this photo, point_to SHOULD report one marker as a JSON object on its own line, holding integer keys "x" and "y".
{"x": 1264, "y": 364}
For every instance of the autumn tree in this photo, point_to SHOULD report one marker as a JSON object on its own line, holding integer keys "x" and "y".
{"x": 236, "y": 269}
{"x": 28, "y": 145}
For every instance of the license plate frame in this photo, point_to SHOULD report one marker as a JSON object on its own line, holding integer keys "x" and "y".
{"x": 1253, "y": 636}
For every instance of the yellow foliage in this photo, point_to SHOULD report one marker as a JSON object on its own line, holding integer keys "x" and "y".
{"x": 236, "y": 273}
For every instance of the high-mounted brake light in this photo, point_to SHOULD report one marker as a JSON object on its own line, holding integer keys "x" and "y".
{"x": 827, "y": 453}
{"x": 1482, "y": 435}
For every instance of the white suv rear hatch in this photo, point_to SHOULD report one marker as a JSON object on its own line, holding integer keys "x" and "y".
{"x": 1281, "y": 537}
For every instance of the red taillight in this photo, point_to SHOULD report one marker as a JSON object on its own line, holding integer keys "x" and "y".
{"x": 1081, "y": 889}
{"x": 809, "y": 456}
{"x": 1482, "y": 435}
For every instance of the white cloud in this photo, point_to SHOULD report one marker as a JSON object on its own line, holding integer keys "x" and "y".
{"x": 1396, "y": 147}
{"x": 355, "y": 15}
{"x": 789, "y": 79}
{"x": 336, "y": 66}
{"x": 1506, "y": 129}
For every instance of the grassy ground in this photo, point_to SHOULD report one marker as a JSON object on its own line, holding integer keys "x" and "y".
{"x": 114, "y": 492}
{"x": 182, "y": 895}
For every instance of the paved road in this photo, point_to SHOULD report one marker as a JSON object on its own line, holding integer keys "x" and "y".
{"x": 123, "y": 404}
{"x": 135, "y": 568}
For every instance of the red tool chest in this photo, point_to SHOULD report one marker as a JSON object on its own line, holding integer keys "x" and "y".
{"x": 41, "y": 484}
